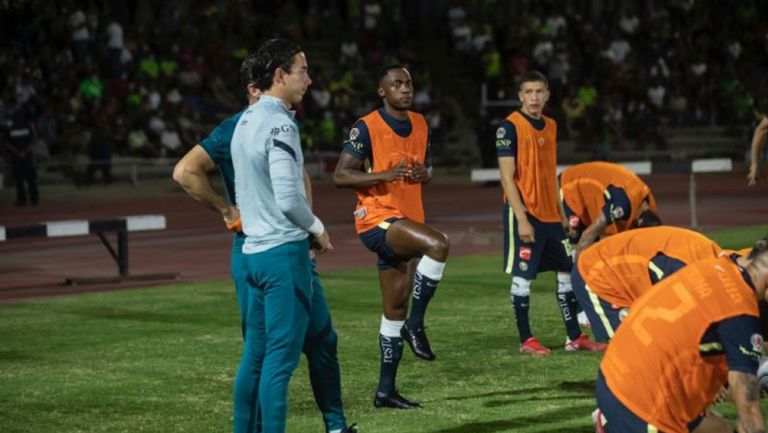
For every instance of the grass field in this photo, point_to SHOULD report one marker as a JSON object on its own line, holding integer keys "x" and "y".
{"x": 163, "y": 359}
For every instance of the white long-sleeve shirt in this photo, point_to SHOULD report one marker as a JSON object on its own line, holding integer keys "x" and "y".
{"x": 269, "y": 187}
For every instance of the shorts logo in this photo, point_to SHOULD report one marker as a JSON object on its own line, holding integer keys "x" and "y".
{"x": 757, "y": 343}
{"x": 618, "y": 212}
{"x": 623, "y": 313}
{"x": 353, "y": 134}
{"x": 360, "y": 213}
{"x": 500, "y": 133}
{"x": 574, "y": 221}
{"x": 524, "y": 253}
{"x": 523, "y": 266}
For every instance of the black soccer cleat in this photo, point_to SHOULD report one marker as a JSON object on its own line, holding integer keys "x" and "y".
{"x": 417, "y": 340}
{"x": 350, "y": 429}
{"x": 394, "y": 401}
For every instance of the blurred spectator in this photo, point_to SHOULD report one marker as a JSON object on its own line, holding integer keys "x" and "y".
{"x": 115, "y": 47}
{"x": 656, "y": 94}
{"x": 18, "y": 141}
{"x": 491, "y": 59}
{"x": 100, "y": 148}
{"x": 349, "y": 52}
{"x": 149, "y": 67}
{"x": 321, "y": 96}
{"x": 92, "y": 88}
{"x": 138, "y": 142}
{"x": 629, "y": 22}
{"x": 678, "y": 106}
{"x": 81, "y": 35}
{"x": 170, "y": 142}
{"x": 575, "y": 111}
{"x": 47, "y": 134}
{"x": 618, "y": 50}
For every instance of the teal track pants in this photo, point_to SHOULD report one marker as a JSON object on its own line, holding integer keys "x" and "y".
{"x": 318, "y": 343}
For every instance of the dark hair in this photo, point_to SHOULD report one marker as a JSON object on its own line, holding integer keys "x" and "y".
{"x": 760, "y": 247}
{"x": 246, "y": 71}
{"x": 272, "y": 54}
{"x": 534, "y": 77}
{"x": 648, "y": 218}
{"x": 385, "y": 70}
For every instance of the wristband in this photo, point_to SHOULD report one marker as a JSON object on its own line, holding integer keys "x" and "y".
{"x": 235, "y": 226}
{"x": 317, "y": 227}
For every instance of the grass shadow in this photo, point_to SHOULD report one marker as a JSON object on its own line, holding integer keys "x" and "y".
{"x": 554, "y": 416}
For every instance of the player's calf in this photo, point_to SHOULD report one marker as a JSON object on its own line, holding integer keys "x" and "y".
{"x": 428, "y": 274}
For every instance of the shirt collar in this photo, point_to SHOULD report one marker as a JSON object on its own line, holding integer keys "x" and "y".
{"x": 744, "y": 273}
{"x": 271, "y": 100}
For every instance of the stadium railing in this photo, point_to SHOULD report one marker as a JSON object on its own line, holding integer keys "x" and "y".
{"x": 708, "y": 165}
{"x": 123, "y": 225}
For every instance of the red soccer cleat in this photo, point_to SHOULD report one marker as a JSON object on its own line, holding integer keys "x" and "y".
{"x": 599, "y": 420}
{"x": 532, "y": 346}
{"x": 584, "y": 343}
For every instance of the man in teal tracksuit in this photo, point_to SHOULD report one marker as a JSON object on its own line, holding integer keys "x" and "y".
{"x": 320, "y": 340}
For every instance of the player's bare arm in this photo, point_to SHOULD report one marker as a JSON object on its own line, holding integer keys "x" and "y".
{"x": 507, "y": 168}
{"x": 745, "y": 390}
{"x": 591, "y": 233}
{"x": 758, "y": 141}
{"x": 349, "y": 173}
{"x": 191, "y": 172}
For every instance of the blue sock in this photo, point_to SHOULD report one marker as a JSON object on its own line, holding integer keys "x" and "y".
{"x": 521, "y": 305}
{"x": 423, "y": 290}
{"x": 391, "y": 353}
{"x": 568, "y": 308}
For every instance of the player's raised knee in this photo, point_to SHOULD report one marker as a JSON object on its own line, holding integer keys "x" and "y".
{"x": 439, "y": 247}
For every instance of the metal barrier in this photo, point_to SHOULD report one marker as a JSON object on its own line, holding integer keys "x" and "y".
{"x": 121, "y": 226}
{"x": 713, "y": 165}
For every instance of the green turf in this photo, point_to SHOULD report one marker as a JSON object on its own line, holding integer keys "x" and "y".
{"x": 163, "y": 359}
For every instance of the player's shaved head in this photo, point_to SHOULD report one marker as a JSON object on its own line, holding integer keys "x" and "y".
{"x": 384, "y": 72}
{"x": 756, "y": 265}
{"x": 760, "y": 250}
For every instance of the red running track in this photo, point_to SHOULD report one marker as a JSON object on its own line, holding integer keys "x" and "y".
{"x": 196, "y": 245}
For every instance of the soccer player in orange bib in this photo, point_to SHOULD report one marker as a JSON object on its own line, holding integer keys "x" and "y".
{"x": 534, "y": 223}
{"x": 602, "y": 199}
{"x": 611, "y": 274}
{"x": 386, "y": 160}
{"x": 684, "y": 339}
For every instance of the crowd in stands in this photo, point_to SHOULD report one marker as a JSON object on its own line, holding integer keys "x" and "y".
{"x": 151, "y": 78}
{"x": 621, "y": 69}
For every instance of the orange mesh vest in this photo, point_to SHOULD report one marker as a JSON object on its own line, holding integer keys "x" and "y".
{"x": 392, "y": 199}
{"x": 653, "y": 364}
{"x": 536, "y": 167}
{"x": 617, "y": 268}
{"x": 584, "y": 186}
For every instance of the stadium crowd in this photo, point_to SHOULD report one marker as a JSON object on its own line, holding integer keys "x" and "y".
{"x": 621, "y": 69}
{"x": 148, "y": 79}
